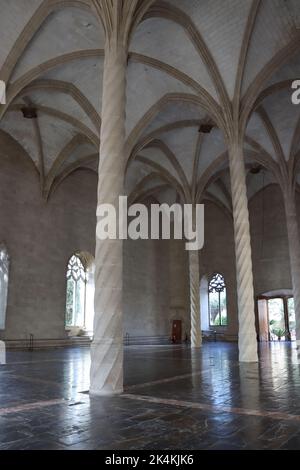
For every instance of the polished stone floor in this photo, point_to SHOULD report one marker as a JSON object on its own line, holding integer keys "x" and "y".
{"x": 175, "y": 398}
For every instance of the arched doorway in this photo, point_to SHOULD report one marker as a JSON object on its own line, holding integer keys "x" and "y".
{"x": 80, "y": 294}
{"x": 4, "y": 270}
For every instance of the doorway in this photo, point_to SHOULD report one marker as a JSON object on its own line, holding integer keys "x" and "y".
{"x": 276, "y": 318}
{"x": 277, "y": 324}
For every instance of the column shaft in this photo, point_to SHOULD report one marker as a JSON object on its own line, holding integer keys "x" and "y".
{"x": 245, "y": 293}
{"x": 107, "y": 347}
{"x": 196, "y": 336}
{"x": 294, "y": 251}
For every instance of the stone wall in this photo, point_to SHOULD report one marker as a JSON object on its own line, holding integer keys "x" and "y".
{"x": 218, "y": 256}
{"x": 41, "y": 236}
{"x": 269, "y": 241}
{"x": 270, "y": 255}
{"x": 155, "y": 287}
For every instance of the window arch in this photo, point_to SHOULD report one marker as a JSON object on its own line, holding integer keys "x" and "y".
{"x": 217, "y": 301}
{"x": 80, "y": 293}
{"x": 76, "y": 292}
{"x": 4, "y": 269}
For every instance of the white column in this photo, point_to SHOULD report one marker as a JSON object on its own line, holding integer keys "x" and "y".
{"x": 294, "y": 251}
{"x": 107, "y": 347}
{"x": 247, "y": 333}
{"x": 196, "y": 336}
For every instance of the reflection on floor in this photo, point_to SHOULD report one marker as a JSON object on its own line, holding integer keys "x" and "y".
{"x": 175, "y": 398}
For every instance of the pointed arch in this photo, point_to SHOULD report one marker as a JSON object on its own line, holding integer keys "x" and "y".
{"x": 217, "y": 300}
{"x": 80, "y": 294}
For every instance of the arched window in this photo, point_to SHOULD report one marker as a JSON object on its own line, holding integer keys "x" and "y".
{"x": 80, "y": 294}
{"x": 4, "y": 267}
{"x": 217, "y": 301}
{"x": 76, "y": 293}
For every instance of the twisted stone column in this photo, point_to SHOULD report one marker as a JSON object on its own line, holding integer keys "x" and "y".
{"x": 107, "y": 347}
{"x": 196, "y": 336}
{"x": 294, "y": 251}
{"x": 245, "y": 294}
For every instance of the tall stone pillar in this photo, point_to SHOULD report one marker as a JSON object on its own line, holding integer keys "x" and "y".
{"x": 245, "y": 293}
{"x": 196, "y": 336}
{"x": 294, "y": 251}
{"x": 107, "y": 347}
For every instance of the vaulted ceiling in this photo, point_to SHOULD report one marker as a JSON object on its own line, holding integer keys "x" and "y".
{"x": 190, "y": 62}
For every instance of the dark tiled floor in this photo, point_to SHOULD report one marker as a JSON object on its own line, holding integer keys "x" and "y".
{"x": 175, "y": 398}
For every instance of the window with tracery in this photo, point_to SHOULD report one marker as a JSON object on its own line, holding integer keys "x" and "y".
{"x": 217, "y": 301}
{"x": 4, "y": 269}
{"x": 76, "y": 293}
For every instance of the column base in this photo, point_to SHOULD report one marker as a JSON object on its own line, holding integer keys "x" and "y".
{"x": 106, "y": 374}
{"x": 248, "y": 361}
{"x": 196, "y": 346}
{"x": 105, "y": 393}
{"x": 252, "y": 357}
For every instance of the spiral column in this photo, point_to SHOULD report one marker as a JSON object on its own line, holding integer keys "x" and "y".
{"x": 196, "y": 336}
{"x": 247, "y": 333}
{"x": 294, "y": 251}
{"x": 106, "y": 375}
